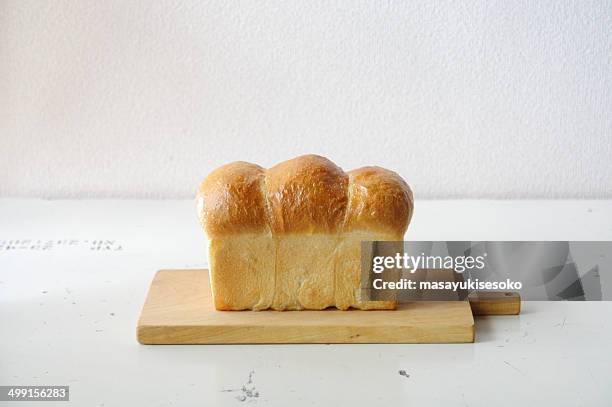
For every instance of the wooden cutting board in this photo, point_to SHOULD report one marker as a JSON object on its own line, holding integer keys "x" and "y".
{"x": 178, "y": 310}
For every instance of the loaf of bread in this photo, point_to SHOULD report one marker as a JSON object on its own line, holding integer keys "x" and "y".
{"x": 289, "y": 238}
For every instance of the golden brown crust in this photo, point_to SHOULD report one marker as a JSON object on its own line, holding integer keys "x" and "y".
{"x": 290, "y": 237}
{"x": 230, "y": 200}
{"x": 380, "y": 201}
{"x": 307, "y": 194}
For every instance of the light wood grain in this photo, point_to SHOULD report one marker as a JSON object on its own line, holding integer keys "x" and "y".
{"x": 178, "y": 310}
{"x": 495, "y": 303}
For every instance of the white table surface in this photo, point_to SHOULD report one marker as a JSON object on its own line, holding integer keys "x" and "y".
{"x": 68, "y": 317}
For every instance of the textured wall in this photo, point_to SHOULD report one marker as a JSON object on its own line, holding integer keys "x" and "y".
{"x": 142, "y": 99}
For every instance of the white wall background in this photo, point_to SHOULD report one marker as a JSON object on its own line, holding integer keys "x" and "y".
{"x": 501, "y": 99}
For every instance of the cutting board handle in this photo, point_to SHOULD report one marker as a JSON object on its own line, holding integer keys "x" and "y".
{"x": 495, "y": 303}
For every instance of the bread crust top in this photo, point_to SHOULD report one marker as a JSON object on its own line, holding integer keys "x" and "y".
{"x": 379, "y": 200}
{"x": 230, "y": 200}
{"x": 305, "y": 195}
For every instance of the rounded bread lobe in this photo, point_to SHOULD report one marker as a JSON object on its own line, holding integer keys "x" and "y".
{"x": 231, "y": 200}
{"x": 308, "y": 194}
{"x": 380, "y": 200}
